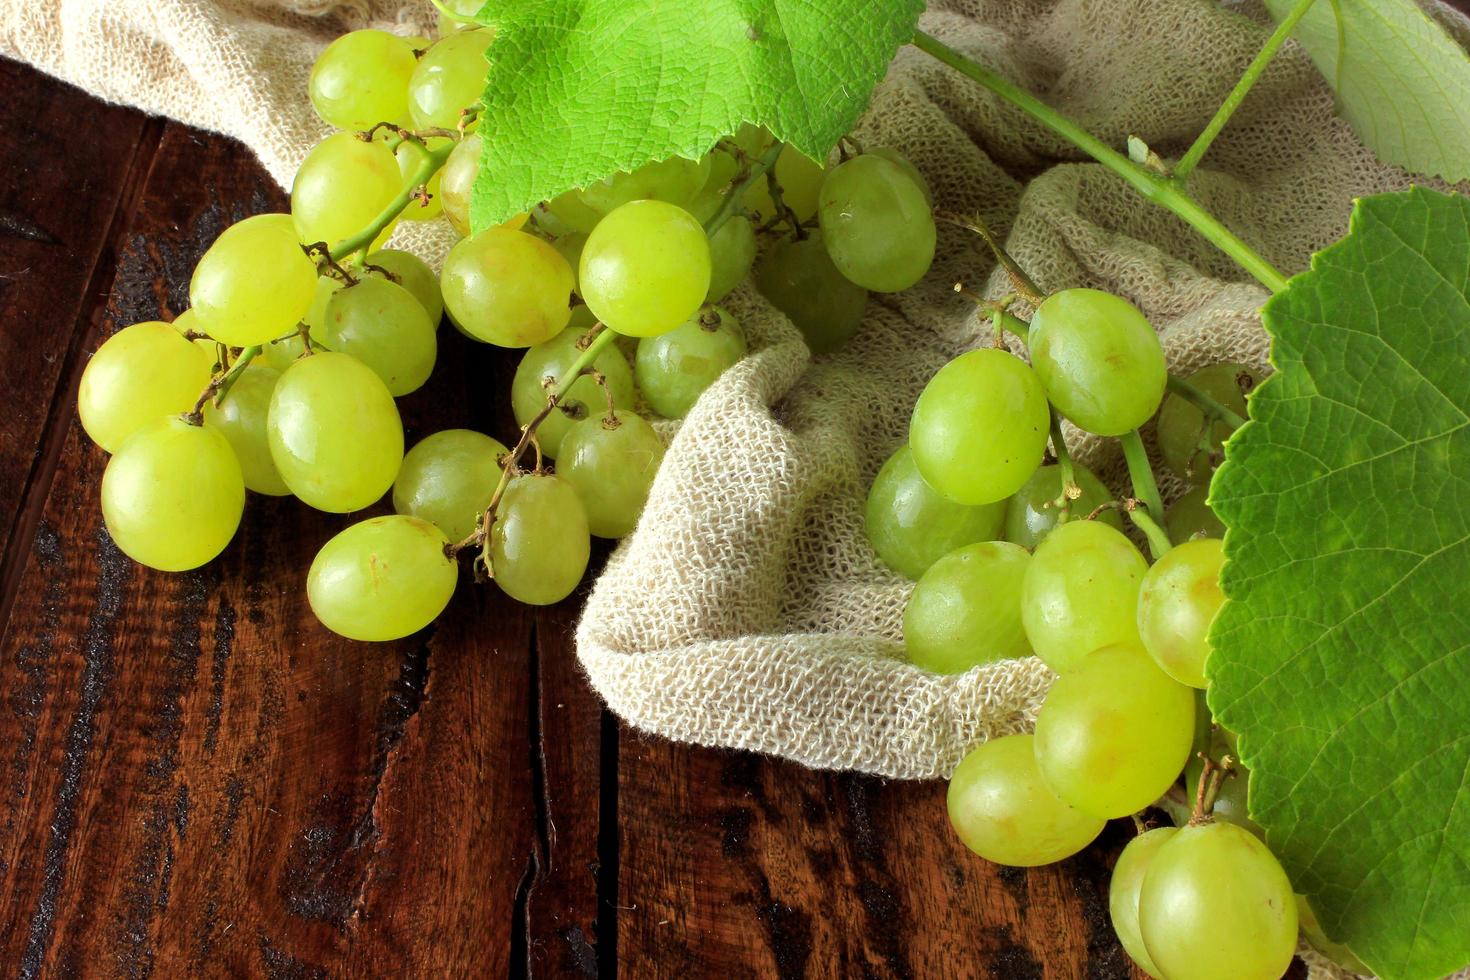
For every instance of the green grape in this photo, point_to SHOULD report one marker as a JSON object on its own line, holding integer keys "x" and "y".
{"x": 675, "y": 180}
{"x": 569, "y": 247}
{"x": 1123, "y": 891}
{"x": 570, "y": 210}
{"x": 281, "y": 352}
{"x": 979, "y": 427}
{"x": 1081, "y": 593}
{"x": 1114, "y": 732}
{"x": 1099, "y": 359}
{"x": 382, "y": 578}
{"x": 911, "y": 525}
{"x": 1002, "y": 809}
{"x": 254, "y": 283}
{"x": 342, "y": 185}
{"x": 966, "y": 609}
{"x": 674, "y": 368}
{"x": 645, "y": 268}
{"x": 800, "y": 178}
{"x": 409, "y": 156}
{"x": 552, "y": 360}
{"x": 457, "y": 182}
{"x": 507, "y": 288}
{"x": 240, "y": 416}
{"x": 413, "y": 274}
{"x": 448, "y": 480}
{"x": 1191, "y": 517}
{"x": 1216, "y": 905}
{"x": 799, "y": 279}
{"x": 611, "y": 468}
{"x": 1031, "y": 514}
{"x": 1177, "y": 603}
{"x": 172, "y": 495}
{"x": 449, "y": 78}
{"x": 335, "y": 434}
{"x": 1232, "y": 800}
{"x": 1182, "y": 426}
{"x": 138, "y": 375}
{"x": 903, "y": 163}
{"x": 383, "y": 326}
{"x": 361, "y": 79}
{"x": 731, "y": 255}
{"x": 1336, "y": 952}
{"x": 877, "y": 224}
{"x": 539, "y": 543}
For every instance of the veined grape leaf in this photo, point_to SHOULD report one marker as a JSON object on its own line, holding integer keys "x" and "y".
{"x": 1343, "y": 656}
{"x": 580, "y": 89}
{"x": 1401, "y": 81}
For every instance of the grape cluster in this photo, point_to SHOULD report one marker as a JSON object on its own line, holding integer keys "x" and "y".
{"x": 303, "y": 330}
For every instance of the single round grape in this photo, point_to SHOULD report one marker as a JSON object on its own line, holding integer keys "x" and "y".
{"x": 1181, "y": 425}
{"x": 138, "y": 375}
{"x": 1123, "y": 891}
{"x": 903, "y": 163}
{"x": 675, "y": 180}
{"x": 731, "y": 255}
{"x": 254, "y": 284}
{"x": 1081, "y": 593}
{"x": 1177, "y": 603}
{"x": 674, "y": 368}
{"x": 449, "y": 78}
{"x": 799, "y": 279}
{"x": 413, "y": 274}
{"x": 382, "y": 578}
{"x": 341, "y": 186}
{"x": 966, "y": 609}
{"x": 911, "y": 525}
{"x": 410, "y": 155}
{"x": 448, "y": 479}
{"x": 585, "y": 398}
{"x": 361, "y": 79}
{"x": 172, "y": 495}
{"x": 1191, "y": 517}
{"x": 876, "y": 223}
{"x": 240, "y": 416}
{"x": 383, "y": 326}
{"x": 457, "y": 181}
{"x": 1099, "y": 359}
{"x": 1313, "y": 933}
{"x": 1216, "y": 905}
{"x": 1031, "y": 514}
{"x": 570, "y": 210}
{"x": 507, "y": 288}
{"x": 335, "y": 434}
{"x": 979, "y": 428}
{"x": 1002, "y": 809}
{"x": 1233, "y": 798}
{"x": 540, "y": 543}
{"x": 645, "y": 268}
{"x": 800, "y": 179}
{"x": 569, "y": 247}
{"x": 611, "y": 466}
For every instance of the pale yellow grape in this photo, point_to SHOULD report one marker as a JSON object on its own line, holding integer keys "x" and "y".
{"x": 361, "y": 79}
{"x": 1123, "y": 889}
{"x": 457, "y": 182}
{"x": 539, "y": 544}
{"x": 571, "y": 211}
{"x": 1177, "y": 603}
{"x": 507, "y": 288}
{"x": 413, "y": 274}
{"x": 254, "y": 283}
{"x": 645, "y": 268}
{"x": 241, "y": 417}
{"x": 172, "y": 495}
{"x": 675, "y": 180}
{"x": 448, "y": 479}
{"x": 382, "y": 325}
{"x": 1081, "y": 593}
{"x": 382, "y": 578}
{"x": 449, "y": 77}
{"x": 138, "y": 375}
{"x": 341, "y": 186}
{"x": 966, "y": 609}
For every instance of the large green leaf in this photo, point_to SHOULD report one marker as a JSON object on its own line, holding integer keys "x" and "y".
{"x": 579, "y": 89}
{"x": 1401, "y": 81}
{"x": 1343, "y": 656}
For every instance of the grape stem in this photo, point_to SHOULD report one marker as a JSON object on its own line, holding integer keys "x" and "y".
{"x": 784, "y": 211}
{"x": 732, "y": 203}
{"x": 1210, "y": 778}
{"x": 1158, "y": 541}
{"x": 1144, "y": 487}
{"x": 1023, "y": 283}
{"x": 220, "y": 384}
{"x": 1070, "y": 490}
{"x": 1237, "y": 95}
{"x": 1212, "y": 409}
{"x": 430, "y": 165}
{"x": 1159, "y": 188}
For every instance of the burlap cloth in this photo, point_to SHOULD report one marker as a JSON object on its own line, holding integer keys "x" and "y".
{"x": 748, "y": 611}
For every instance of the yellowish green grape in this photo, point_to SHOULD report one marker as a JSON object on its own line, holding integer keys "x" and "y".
{"x": 539, "y": 544}
{"x": 240, "y": 416}
{"x": 1099, "y": 358}
{"x": 281, "y": 352}
{"x": 674, "y": 368}
{"x": 1191, "y": 517}
{"x": 675, "y": 180}
{"x": 1181, "y": 428}
{"x": 569, "y": 210}
{"x": 382, "y": 325}
{"x": 413, "y": 274}
{"x": 911, "y": 525}
{"x": 449, "y": 78}
{"x": 731, "y": 255}
{"x": 876, "y": 223}
{"x": 448, "y": 479}
{"x": 569, "y": 247}
{"x": 800, "y": 179}
{"x": 979, "y": 428}
{"x": 457, "y": 182}
{"x": 645, "y": 268}
{"x": 799, "y": 279}
{"x": 138, "y": 375}
{"x": 361, "y": 79}
{"x": 1081, "y": 593}
{"x": 1002, "y": 809}
{"x": 1176, "y": 605}
{"x": 1114, "y": 732}
{"x": 903, "y": 163}
{"x": 341, "y": 186}
{"x": 254, "y": 284}
{"x": 1031, "y": 513}
{"x": 382, "y": 578}
{"x": 410, "y": 155}
{"x": 552, "y": 360}
{"x": 611, "y": 465}
{"x": 966, "y": 609}
{"x": 335, "y": 434}
{"x": 172, "y": 495}
{"x": 507, "y": 288}
{"x": 1123, "y": 891}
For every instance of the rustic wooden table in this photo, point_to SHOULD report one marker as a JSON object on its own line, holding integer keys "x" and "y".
{"x": 200, "y": 780}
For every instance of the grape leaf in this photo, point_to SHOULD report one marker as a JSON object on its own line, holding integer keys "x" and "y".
{"x": 1343, "y": 656}
{"x": 580, "y": 89}
{"x": 1401, "y": 81}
